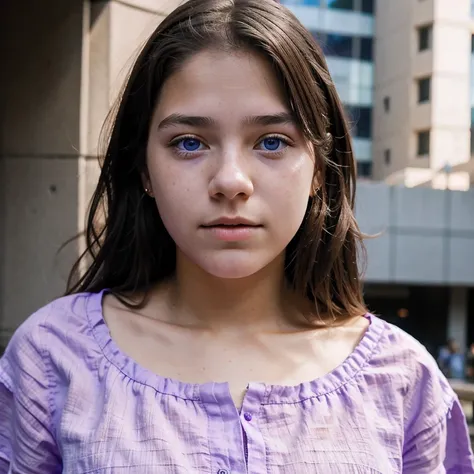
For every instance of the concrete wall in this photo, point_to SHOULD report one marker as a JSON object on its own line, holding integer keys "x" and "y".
{"x": 40, "y": 84}
{"x": 399, "y": 65}
{"x": 393, "y": 71}
{"x": 427, "y": 235}
{"x": 62, "y": 69}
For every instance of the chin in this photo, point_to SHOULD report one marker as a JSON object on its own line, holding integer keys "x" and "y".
{"x": 233, "y": 267}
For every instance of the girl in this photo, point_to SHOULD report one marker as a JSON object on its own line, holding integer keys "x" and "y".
{"x": 219, "y": 326}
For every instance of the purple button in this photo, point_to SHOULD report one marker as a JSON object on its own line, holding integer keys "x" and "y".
{"x": 248, "y": 417}
{"x": 222, "y": 471}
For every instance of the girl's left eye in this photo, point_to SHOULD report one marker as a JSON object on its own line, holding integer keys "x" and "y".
{"x": 273, "y": 144}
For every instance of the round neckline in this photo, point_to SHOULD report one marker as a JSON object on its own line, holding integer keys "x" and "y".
{"x": 273, "y": 394}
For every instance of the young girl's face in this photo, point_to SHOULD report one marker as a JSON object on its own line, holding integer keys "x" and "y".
{"x": 229, "y": 169}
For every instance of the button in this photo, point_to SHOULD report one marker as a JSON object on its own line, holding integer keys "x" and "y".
{"x": 223, "y": 471}
{"x": 248, "y": 416}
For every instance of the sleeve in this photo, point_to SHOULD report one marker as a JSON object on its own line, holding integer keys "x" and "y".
{"x": 437, "y": 441}
{"x": 27, "y": 443}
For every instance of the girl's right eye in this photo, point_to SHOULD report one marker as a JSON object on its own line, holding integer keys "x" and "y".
{"x": 187, "y": 145}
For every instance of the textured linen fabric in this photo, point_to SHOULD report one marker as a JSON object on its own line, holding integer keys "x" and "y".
{"x": 72, "y": 402}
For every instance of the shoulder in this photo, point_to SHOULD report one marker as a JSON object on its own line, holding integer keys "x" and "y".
{"x": 412, "y": 371}
{"x": 45, "y": 335}
{"x": 35, "y": 369}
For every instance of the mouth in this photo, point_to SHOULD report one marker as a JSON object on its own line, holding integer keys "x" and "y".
{"x": 231, "y": 222}
{"x": 232, "y": 229}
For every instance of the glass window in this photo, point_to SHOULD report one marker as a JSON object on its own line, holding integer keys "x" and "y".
{"x": 472, "y": 44}
{"x": 387, "y": 156}
{"x": 368, "y": 6}
{"x": 361, "y": 121}
{"x": 366, "y": 49}
{"x": 423, "y": 145}
{"x": 386, "y": 104}
{"x": 424, "y": 37}
{"x": 338, "y": 45}
{"x": 364, "y": 169}
{"x": 341, "y": 4}
{"x": 424, "y": 88}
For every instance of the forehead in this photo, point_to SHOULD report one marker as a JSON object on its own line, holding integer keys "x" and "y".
{"x": 218, "y": 81}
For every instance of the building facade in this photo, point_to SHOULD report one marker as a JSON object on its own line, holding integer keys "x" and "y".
{"x": 345, "y": 30}
{"x": 63, "y": 67}
{"x": 409, "y": 65}
{"x": 423, "y": 95}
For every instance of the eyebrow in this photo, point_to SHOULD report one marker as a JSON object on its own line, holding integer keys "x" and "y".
{"x": 206, "y": 122}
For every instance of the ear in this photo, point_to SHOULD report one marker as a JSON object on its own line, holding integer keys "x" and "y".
{"x": 146, "y": 182}
{"x": 315, "y": 185}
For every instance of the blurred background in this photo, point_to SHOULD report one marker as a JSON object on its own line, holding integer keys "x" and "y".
{"x": 404, "y": 70}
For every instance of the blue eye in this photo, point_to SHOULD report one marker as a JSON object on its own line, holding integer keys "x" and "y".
{"x": 273, "y": 144}
{"x": 190, "y": 144}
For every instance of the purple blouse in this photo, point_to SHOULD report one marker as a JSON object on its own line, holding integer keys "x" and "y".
{"x": 72, "y": 402}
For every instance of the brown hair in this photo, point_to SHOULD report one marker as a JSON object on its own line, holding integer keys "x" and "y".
{"x": 129, "y": 248}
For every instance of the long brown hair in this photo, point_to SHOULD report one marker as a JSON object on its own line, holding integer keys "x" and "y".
{"x": 128, "y": 247}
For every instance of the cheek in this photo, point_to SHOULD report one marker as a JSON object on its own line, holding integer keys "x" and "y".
{"x": 296, "y": 182}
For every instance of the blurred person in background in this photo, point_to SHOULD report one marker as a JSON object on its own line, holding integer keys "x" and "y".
{"x": 220, "y": 326}
{"x": 470, "y": 364}
{"x": 452, "y": 361}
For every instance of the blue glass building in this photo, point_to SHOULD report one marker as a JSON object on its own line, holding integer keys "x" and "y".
{"x": 345, "y": 30}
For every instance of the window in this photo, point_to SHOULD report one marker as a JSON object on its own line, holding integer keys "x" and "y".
{"x": 366, "y": 49}
{"x": 387, "y": 156}
{"x": 386, "y": 104}
{"x": 472, "y": 44}
{"x": 341, "y": 4}
{"x": 338, "y": 45}
{"x": 368, "y": 6}
{"x": 424, "y": 37}
{"x": 424, "y": 88}
{"x": 364, "y": 169}
{"x": 361, "y": 121}
{"x": 423, "y": 146}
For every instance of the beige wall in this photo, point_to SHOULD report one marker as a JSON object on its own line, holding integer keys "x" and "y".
{"x": 40, "y": 116}
{"x": 64, "y": 66}
{"x": 393, "y": 69}
{"x": 398, "y": 66}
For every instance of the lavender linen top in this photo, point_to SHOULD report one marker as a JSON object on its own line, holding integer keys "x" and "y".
{"x": 72, "y": 402}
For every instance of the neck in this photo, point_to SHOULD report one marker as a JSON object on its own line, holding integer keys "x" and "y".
{"x": 259, "y": 302}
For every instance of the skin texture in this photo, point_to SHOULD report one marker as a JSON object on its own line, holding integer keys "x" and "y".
{"x": 227, "y": 314}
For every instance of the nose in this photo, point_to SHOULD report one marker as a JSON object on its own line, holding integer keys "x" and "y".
{"x": 231, "y": 179}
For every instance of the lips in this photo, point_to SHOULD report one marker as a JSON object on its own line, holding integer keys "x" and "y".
{"x": 232, "y": 229}
{"x": 231, "y": 222}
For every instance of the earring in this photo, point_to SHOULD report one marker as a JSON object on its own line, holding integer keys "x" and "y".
{"x": 148, "y": 191}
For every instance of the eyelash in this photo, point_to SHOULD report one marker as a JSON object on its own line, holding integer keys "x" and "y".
{"x": 187, "y": 154}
